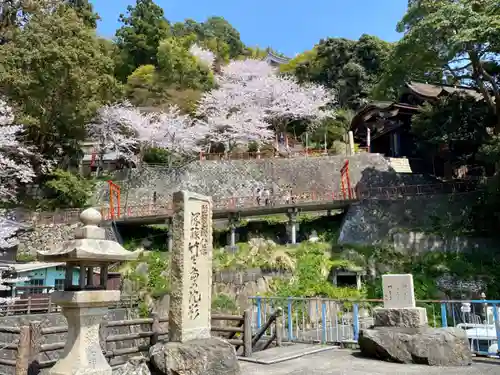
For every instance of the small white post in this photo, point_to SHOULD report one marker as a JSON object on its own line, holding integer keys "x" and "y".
{"x": 351, "y": 142}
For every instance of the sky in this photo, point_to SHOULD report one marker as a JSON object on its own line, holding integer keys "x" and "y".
{"x": 288, "y": 26}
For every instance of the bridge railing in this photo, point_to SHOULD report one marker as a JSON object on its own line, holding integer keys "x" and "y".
{"x": 245, "y": 202}
{"x": 306, "y": 197}
{"x": 266, "y": 154}
{"x": 339, "y": 321}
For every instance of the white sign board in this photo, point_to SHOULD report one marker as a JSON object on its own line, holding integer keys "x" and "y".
{"x": 398, "y": 291}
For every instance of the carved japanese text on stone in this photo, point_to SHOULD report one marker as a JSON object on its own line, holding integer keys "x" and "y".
{"x": 191, "y": 267}
{"x": 398, "y": 291}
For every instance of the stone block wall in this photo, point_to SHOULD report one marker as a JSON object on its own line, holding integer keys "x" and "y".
{"x": 377, "y": 221}
{"x": 417, "y": 243}
{"x": 44, "y": 236}
{"x": 232, "y": 178}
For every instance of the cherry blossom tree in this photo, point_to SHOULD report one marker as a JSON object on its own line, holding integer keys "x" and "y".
{"x": 124, "y": 129}
{"x": 205, "y": 56}
{"x": 114, "y": 130}
{"x": 252, "y": 97}
{"x": 16, "y": 168}
{"x": 178, "y": 133}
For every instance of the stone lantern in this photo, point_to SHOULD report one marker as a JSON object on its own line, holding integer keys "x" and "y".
{"x": 83, "y": 303}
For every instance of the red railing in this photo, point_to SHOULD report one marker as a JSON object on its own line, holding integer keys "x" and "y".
{"x": 235, "y": 203}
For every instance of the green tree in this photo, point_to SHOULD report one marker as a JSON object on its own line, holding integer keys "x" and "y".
{"x": 455, "y": 127}
{"x": 215, "y": 33}
{"x": 457, "y": 41}
{"x": 14, "y": 13}
{"x": 177, "y": 66}
{"x": 141, "y": 86}
{"x": 67, "y": 190}
{"x": 56, "y": 74}
{"x": 85, "y": 11}
{"x": 350, "y": 67}
{"x": 224, "y": 32}
{"x": 138, "y": 39}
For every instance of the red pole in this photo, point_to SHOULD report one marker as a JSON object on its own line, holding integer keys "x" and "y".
{"x": 348, "y": 180}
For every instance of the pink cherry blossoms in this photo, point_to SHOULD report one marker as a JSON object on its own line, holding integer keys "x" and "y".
{"x": 125, "y": 129}
{"x": 252, "y": 99}
{"x": 15, "y": 169}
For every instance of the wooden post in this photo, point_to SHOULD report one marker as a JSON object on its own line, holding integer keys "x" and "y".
{"x": 156, "y": 328}
{"x": 28, "y": 309}
{"x": 247, "y": 333}
{"x": 23, "y": 351}
{"x": 49, "y": 309}
{"x": 35, "y": 344}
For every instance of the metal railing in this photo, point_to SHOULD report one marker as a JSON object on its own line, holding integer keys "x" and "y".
{"x": 298, "y": 199}
{"x": 269, "y": 154}
{"x": 336, "y": 321}
{"x": 248, "y": 202}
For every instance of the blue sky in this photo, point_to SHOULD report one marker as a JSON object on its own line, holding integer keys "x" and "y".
{"x": 290, "y": 27}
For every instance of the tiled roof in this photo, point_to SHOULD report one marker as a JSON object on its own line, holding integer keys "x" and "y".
{"x": 434, "y": 91}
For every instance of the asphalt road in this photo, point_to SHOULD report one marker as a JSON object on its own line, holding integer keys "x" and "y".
{"x": 343, "y": 362}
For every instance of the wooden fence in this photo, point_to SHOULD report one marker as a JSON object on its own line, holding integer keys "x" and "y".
{"x": 44, "y": 305}
{"x": 30, "y": 339}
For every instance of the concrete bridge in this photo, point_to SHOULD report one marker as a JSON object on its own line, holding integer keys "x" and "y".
{"x": 236, "y": 208}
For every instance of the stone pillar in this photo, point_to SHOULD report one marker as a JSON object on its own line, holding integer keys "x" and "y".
{"x": 84, "y": 311}
{"x": 292, "y": 217}
{"x": 233, "y": 236}
{"x": 191, "y": 349}
{"x": 351, "y": 142}
{"x": 191, "y": 270}
{"x": 358, "y": 281}
{"x": 234, "y": 219}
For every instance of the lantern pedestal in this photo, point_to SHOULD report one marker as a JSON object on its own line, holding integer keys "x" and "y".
{"x": 84, "y": 311}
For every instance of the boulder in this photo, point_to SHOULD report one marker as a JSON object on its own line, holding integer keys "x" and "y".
{"x": 411, "y": 317}
{"x": 425, "y": 345}
{"x": 212, "y": 356}
{"x": 134, "y": 366}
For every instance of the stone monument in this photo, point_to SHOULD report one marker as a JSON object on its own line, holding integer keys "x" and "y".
{"x": 400, "y": 332}
{"x": 399, "y": 304}
{"x": 191, "y": 350}
{"x": 84, "y": 305}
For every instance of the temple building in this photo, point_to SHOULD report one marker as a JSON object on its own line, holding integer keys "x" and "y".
{"x": 275, "y": 60}
{"x": 385, "y": 127}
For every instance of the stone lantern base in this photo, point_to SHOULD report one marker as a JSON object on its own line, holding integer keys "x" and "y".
{"x": 84, "y": 311}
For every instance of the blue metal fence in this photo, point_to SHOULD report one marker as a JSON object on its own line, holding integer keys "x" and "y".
{"x": 329, "y": 321}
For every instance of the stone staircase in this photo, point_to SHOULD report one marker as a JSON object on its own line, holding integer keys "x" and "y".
{"x": 400, "y": 165}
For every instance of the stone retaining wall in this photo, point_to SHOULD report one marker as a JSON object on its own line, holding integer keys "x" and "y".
{"x": 230, "y": 178}
{"x": 375, "y": 221}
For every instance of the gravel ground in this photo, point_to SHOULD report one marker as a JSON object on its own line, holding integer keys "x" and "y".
{"x": 345, "y": 362}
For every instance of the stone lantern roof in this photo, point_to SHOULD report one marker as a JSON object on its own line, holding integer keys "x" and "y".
{"x": 90, "y": 244}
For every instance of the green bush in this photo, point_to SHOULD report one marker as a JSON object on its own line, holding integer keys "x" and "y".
{"x": 64, "y": 189}
{"x": 223, "y": 303}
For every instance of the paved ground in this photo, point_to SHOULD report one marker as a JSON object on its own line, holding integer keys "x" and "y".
{"x": 343, "y": 362}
